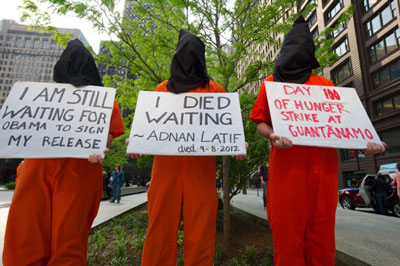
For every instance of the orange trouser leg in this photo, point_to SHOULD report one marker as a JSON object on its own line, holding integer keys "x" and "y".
{"x": 200, "y": 207}
{"x": 55, "y": 205}
{"x": 296, "y": 198}
{"x": 76, "y": 199}
{"x": 165, "y": 211}
{"x": 28, "y": 231}
{"x": 320, "y": 240}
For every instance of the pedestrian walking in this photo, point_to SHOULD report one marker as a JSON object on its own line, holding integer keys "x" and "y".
{"x": 264, "y": 181}
{"x": 117, "y": 181}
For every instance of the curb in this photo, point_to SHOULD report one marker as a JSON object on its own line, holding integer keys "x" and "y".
{"x": 96, "y": 227}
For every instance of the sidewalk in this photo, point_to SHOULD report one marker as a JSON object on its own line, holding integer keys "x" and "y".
{"x": 363, "y": 235}
{"x": 107, "y": 211}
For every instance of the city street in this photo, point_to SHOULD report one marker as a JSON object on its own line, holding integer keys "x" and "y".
{"x": 361, "y": 234}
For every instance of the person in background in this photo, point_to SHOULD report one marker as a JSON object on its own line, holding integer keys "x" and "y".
{"x": 117, "y": 181}
{"x": 57, "y": 199}
{"x": 264, "y": 181}
{"x": 396, "y": 180}
{"x": 18, "y": 172}
{"x": 302, "y": 183}
{"x": 381, "y": 189}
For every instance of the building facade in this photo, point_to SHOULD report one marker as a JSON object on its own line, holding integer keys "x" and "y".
{"x": 369, "y": 61}
{"x": 27, "y": 55}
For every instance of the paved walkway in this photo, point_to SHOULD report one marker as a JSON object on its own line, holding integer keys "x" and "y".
{"x": 106, "y": 212}
{"x": 362, "y": 234}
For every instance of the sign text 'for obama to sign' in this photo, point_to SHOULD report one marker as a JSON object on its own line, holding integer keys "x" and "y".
{"x": 187, "y": 124}
{"x": 319, "y": 116}
{"x": 53, "y": 120}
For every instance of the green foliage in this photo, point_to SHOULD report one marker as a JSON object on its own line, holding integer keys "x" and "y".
{"x": 97, "y": 240}
{"x": 10, "y": 185}
{"x": 250, "y": 254}
{"x": 180, "y": 238}
{"x": 117, "y": 154}
{"x": 218, "y": 253}
{"x": 180, "y": 261}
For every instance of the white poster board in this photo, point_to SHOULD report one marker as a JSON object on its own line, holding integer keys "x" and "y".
{"x": 187, "y": 124}
{"x": 53, "y": 120}
{"x": 319, "y": 116}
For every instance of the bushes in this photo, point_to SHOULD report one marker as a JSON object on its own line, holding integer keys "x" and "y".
{"x": 10, "y": 185}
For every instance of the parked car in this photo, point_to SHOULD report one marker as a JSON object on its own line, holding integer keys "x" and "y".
{"x": 361, "y": 196}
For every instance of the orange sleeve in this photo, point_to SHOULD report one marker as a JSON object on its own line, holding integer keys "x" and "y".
{"x": 260, "y": 112}
{"x": 116, "y": 125}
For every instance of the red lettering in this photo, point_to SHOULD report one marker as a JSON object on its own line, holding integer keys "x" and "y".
{"x": 368, "y": 134}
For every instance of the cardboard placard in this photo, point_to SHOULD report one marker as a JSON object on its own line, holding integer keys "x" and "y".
{"x": 319, "y": 116}
{"x": 53, "y": 120}
{"x": 187, "y": 124}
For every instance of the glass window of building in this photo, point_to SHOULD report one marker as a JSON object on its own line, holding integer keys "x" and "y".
{"x": 45, "y": 44}
{"x": 386, "y": 46}
{"x": 315, "y": 33}
{"x": 342, "y": 48}
{"x": 339, "y": 28}
{"x": 27, "y": 43}
{"x": 391, "y": 138}
{"x": 367, "y": 4}
{"x": 8, "y": 41}
{"x": 341, "y": 72}
{"x": 312, "y": 19}
{"x": 387, "y": 74}
{"x": 18, "y": 42}
{"x": 36, "y": 43}
{"x": 334, "y": 10}
{"x": 381, "y": 19}
{"x": 53, "y": 45}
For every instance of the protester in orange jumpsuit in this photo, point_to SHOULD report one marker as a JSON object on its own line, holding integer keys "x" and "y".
{"x": 56, "y": 200}
{"x": 183, "y": 185}
{"x": 302, "y": 184}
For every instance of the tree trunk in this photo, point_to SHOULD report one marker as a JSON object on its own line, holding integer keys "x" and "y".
{"x": 227, "y": 204}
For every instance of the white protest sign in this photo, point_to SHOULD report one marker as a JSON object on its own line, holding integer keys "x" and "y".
{"x": 319, "y": 116}
{"x": 187, "y": 124}
{"x": 53, "y": 120}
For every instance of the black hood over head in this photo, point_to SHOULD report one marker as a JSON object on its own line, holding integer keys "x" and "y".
{"x": 188, "y": 67}
{"x": 296, "y": 59}
{"x": 76, "y": 66}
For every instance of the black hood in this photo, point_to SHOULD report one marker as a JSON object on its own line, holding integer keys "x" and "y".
{"x": 188, "y": 67}
{"x": 296, "y": 59}
{"x": 76, "y": 66}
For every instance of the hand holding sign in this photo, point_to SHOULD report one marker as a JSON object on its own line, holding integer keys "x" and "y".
{"x": 280, "y": 142}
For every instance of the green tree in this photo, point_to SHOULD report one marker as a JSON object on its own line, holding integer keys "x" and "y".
{"x": 146, "y": 44}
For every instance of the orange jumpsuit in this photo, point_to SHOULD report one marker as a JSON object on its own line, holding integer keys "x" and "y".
{"x": 301, "y": 196}
{"x": 53, "y": 208}
{"x": 182, "y": 184}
